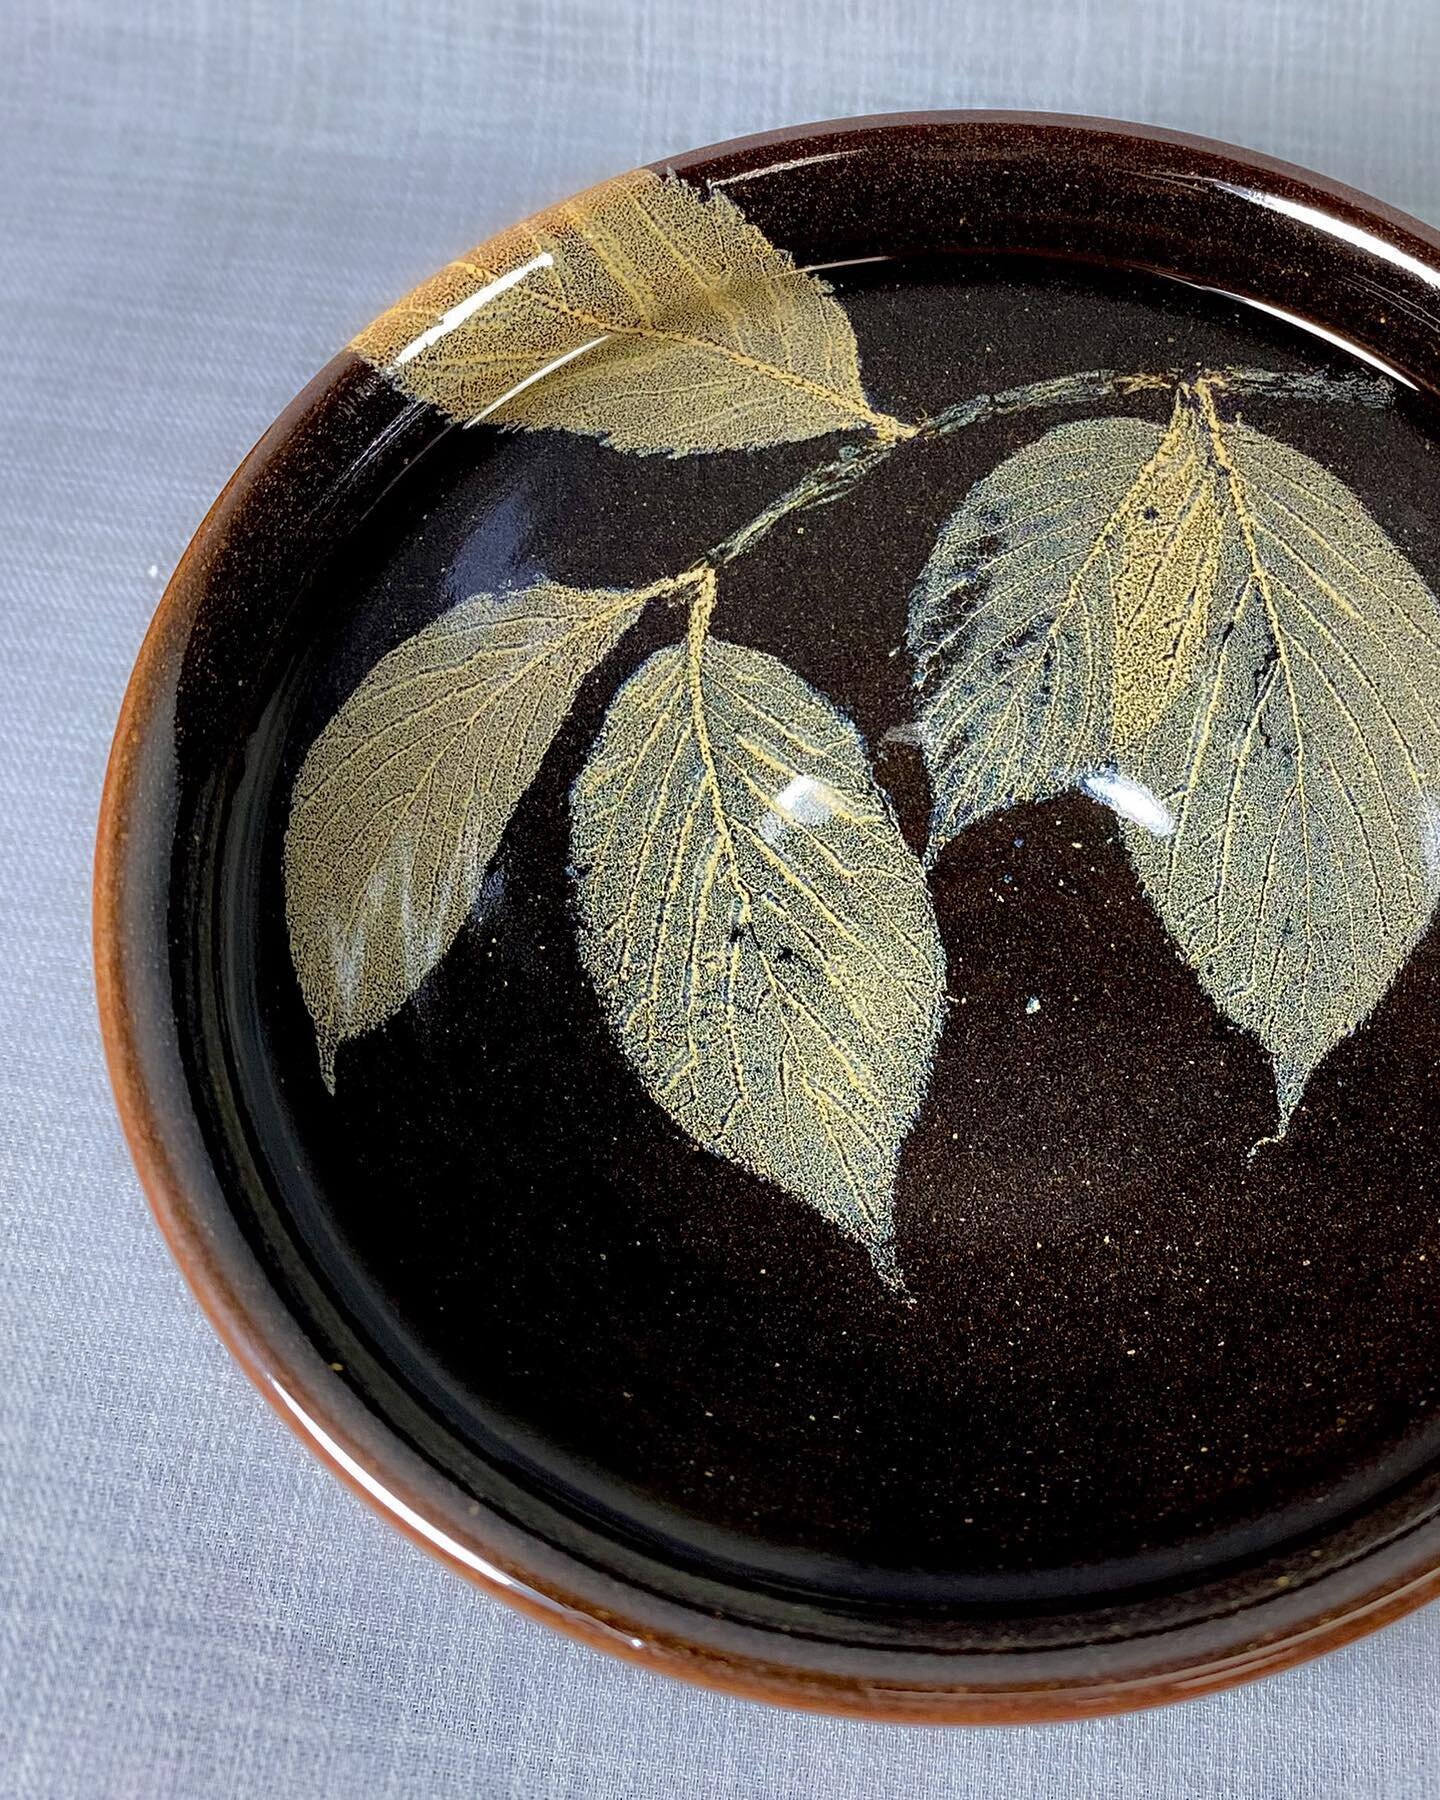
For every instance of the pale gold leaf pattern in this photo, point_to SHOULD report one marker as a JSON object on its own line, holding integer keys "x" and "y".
{"x": 1161, "y": 550}
{"x": 1303, "y": 768}
{"x": 402, "y": 799}
{"x": 1013, "y": 622}
{"x": 641, "y": 313}
{"x": 760, "y": 934}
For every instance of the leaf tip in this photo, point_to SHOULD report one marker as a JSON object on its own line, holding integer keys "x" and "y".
{"x": 326, "y": 1044}
{"x": 1263, "y": 1143}
{"x": 887, "y": 1267}
{"x": 1290, "y": 1080}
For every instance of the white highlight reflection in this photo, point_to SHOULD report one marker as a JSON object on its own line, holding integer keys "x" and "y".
{"x": 1131, "y": 799}
{"x": 467, "y": 308}
{"x": 802, "y": 801}
{"x": 795, "y": 162}
{"x": 555, "y": 363}
{"x": 407, "y": 1515}
{"x": 432, "y": 1534}
{"x": 1348, "y": 345}
{"x": 1337, "y": 228}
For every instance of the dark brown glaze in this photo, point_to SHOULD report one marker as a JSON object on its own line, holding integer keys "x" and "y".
{"x": 536, "y": 1322}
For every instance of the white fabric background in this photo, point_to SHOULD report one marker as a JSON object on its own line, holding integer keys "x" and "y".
{"x": 198, "y": 202}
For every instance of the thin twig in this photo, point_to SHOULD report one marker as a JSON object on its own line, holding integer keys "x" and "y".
{"x": 831, "y": 481}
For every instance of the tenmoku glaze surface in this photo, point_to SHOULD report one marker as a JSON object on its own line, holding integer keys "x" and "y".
{"x": 786, "y": 910}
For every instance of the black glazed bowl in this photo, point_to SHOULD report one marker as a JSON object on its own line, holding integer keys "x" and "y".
{"x": 1094, "y": 1386}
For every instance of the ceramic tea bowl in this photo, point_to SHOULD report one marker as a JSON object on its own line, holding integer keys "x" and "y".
{"x": 765, "y": 916}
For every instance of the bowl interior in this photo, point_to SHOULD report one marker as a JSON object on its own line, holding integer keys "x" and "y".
{"x": 1137, "y": 1358}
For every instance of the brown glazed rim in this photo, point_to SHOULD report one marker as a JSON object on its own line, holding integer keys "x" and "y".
{"x": 1257, "y": 1638}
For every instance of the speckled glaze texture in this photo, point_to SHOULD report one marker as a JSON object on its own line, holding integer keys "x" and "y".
{"x": 1130, "y": 1395}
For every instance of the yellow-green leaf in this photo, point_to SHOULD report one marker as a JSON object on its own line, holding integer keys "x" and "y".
{"x": 402, "y": 799}
{"x": 1204, "y": 628}
{"x": 1014, "y": 621}
{"x": 1161, "y": 551}
{"x": 760, "y": 934}
{"x": 1303, "y": 767}
{"x": 641, "y": 313}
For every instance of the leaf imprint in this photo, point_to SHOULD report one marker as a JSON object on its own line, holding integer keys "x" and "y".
{"x": 1206, "y": 631}
{"x": 1305, "y": 764}
{"x": 399, "y": 807}
{"x": 761, "y": 936}
{"x": 642, "y": 313}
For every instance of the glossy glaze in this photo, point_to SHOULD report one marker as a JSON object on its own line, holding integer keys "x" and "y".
{"x": 1150, "y": 1415}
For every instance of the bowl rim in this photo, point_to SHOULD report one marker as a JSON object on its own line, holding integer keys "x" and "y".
{"x": 366, "y": 1455}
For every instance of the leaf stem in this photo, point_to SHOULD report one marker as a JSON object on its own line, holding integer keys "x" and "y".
{"x": 824, "y": 485}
